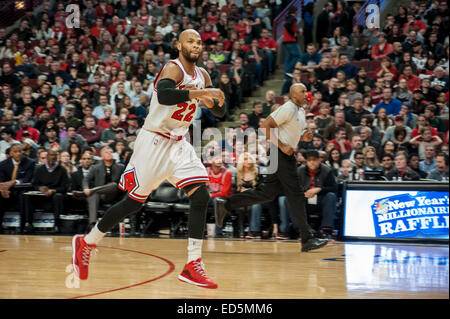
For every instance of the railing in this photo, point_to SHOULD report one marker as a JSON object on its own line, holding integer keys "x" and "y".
{"x": 361, "y": 15}
{"x": 12, "y": 10}
{"x": 278, "y": 22}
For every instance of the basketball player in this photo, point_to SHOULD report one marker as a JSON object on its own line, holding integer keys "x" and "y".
{"x": 290, "y": 121}
{"x": 161, "y": 153}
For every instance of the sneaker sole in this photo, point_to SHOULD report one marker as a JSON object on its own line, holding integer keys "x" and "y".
{"x": 182, "y": 278}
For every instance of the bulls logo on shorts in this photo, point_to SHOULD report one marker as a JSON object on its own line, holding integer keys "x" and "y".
{"x": 130, "y": 184}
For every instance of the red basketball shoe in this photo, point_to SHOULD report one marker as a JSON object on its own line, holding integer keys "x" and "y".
{"x": 81, "y": 252}
{"x": 194, "y": 273}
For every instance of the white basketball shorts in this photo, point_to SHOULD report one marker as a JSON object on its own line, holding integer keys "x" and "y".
{"x": 156, "y": 157}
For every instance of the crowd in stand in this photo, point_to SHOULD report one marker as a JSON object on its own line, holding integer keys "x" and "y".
{"x": 72, "y": 100}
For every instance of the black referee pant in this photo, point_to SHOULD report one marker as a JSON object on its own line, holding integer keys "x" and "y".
{"x": 284, "y": 181}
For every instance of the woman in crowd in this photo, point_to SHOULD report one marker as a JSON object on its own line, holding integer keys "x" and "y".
{"x": 381, "y": 121}
{"x": 74, "y": 152}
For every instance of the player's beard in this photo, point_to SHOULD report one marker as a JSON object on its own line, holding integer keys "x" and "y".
{"x": 187, "y": 55}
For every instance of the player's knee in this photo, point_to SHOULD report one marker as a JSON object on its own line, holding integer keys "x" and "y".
{"x": 199, "y": 195}
{"x": 131, "y": 204}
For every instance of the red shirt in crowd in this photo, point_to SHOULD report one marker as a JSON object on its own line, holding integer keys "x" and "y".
{"x": 378, "y": 54}
{"x": 413, "y": 81}
{"x": 34, "y": 133}
{"x": 219, "y": 183}
{"x": 347, "y": 145}
{"x": 267, "y": 43}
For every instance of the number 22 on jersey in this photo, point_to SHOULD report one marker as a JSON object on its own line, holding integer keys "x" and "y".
{"x": 179, "y": 114}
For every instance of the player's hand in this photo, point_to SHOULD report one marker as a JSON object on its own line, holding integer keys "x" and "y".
{"x": 215, "y": 94}
{"x": 209, "y": 102}
{"x": 307, "y": 136}
{"x": 286, "y": 149}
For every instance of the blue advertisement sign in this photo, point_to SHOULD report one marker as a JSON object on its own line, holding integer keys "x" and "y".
{"x": 422, "y": 215}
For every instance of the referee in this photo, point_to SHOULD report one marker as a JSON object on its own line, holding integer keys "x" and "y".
{"x": 289, "y": 119}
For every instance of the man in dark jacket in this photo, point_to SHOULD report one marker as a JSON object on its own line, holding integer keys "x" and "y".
{"x": 401, "y": 171}
{"x": 15, "y": 171}
{"x": 320, "y": 187}
{"x": 51, "y": 181}
{"x": 100, "y": 184}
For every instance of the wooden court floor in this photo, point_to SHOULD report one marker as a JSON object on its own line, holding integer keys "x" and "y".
{"x": 39, "y": 267}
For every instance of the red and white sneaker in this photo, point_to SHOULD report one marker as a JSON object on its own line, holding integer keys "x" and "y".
{"x": 81, "y": 252}
{"x": 194, "y": 273}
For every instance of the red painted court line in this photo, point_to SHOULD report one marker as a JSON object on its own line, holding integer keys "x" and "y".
{"x": 171, "y": 269}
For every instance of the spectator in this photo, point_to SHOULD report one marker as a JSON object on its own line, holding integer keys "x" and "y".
{"x": 319, "y": 184}
{"x": 387, "y": 163}
{"x": 256, "y": 115}
{"x": 389, "y": 133}
{"x": 72, "y": 137}
{"x": 350, "y": 70}
{"x": 401, "y": 171}
{"x": 341, "y": 142}
{"x": 310, "y": 60}
{"x": 382, "y": 49}
{"x": 338, "y": 122}
{"x": 365, "y": 133}
{"x": 52, "y": 181}
{"x": 420, "y": 142}
{"x": 356, "y": 146}
{"x": 391, "y": 105}
{"x": 346, "y": 171}
{"x": 100, "y": 185}
{"x": 429, "y": 162}
{"x": 220, "y": 181}
{"x": 290, "y": 45}
{"x": 354, "y": 114}
{"x": 90, "y": 131}
{"x": 370, "y": 158}
{"x": 414, "y": 164}
{"x": 269, "y": 46}
{"x": 17, "y": 169}
{"x": 440, "y": 173}
{"x": 435, "y": 121}
{"x": 412, "y": 80}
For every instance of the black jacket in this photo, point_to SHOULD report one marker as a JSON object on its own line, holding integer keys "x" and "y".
{"x": 24, "y": 174}
{"x": 410, "y": 175}
{"x": 324, "y": 178}
{"x": 57, "y": 180}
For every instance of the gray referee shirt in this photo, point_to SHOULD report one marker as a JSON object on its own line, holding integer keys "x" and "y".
{"x": 291, "y": 122}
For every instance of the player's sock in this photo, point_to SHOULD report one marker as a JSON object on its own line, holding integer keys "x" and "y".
{"x": 196, "y": 221}
{"x": 94, "y": 236}
{"x": 194, "y": 249}
{"x": 118, "y": 212}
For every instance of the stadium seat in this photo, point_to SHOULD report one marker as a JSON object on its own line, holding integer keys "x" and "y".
{"x": 374, "y": 64}
{"x": 279, "y": 100}
{"x": 363, "y": 63}
{"x": 224, "y": 67}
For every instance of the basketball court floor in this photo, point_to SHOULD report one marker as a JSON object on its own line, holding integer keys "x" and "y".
{"x": 133, "y": 268}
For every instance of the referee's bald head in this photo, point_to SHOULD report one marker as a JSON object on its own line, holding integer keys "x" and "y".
{"x": 298, "y": 93}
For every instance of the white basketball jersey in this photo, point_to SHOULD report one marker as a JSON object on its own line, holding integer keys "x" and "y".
{"x": 174, "y": 119}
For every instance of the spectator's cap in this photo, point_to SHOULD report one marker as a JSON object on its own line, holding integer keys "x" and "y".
{"x": 417, "y": 91}
{"x": 70, "y": 107}
{"x": 73, "y": 36}
{"x": 42, "y": 77}
{"x": 120, "y": 130}
{"x": 26, "y": 133}
{"x": 292, "y": 9}
{"x": 131, "y": 117}
{"x": 309, "y": 115}
{"x": 398, "y": 118}
{"x": 435, "y": 23}
{"x": 417, "y": 43}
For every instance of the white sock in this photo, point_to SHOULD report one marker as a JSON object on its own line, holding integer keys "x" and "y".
{"x": 194, "y": 249}
{"x": 94, "y": 236}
